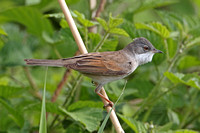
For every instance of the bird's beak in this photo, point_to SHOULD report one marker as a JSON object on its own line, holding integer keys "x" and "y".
{"x": 157, "y": 51}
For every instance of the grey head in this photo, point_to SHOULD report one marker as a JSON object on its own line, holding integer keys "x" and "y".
{"x": 142, "y": 50}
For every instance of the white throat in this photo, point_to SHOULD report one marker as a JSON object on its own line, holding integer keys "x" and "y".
{"x": 144, "y": 58}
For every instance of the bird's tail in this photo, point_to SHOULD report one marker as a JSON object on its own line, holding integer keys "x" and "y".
{"x": 42, "y": 62}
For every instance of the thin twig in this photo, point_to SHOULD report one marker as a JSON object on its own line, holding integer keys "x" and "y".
{"x": 34, "y": 87}
{"x": 60, "y": 85}
{"x": 100, "y": 8}
{"x": 83, "y": 50}
{"x": 97, "y": 14}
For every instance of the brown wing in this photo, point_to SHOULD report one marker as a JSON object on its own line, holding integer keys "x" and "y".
{"x": 104, "y": 63}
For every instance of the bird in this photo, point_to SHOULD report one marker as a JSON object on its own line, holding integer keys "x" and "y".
{"x": 105, "y": 67}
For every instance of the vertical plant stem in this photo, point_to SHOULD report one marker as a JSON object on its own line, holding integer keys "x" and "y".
{"x": 101, "y": 42}
{"x": 57, "y": 52}
{"x": 167, "y": 49}
{"x": 60, "y": 85}
{"x": 86, "y": 37}
{"x": 32, "y": 83}
{"x": 74, "y": 88}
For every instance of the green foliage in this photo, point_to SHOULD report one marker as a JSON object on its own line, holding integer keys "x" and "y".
{"x": 111, "y": 25}
{"x": 81, "y": 18}
{"x": 89, "y": 117}
{"x": 16, "y": 116}
{"x": 155, "y": 27}
{"x": 192, "y": 80}
{"x": 160, "y": 97}
{"x": 29, "y": 17}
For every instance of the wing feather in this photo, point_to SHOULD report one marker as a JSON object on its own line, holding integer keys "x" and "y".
{"x": 101, "y": 64}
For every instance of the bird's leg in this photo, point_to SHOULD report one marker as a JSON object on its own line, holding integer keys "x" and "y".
{"x": 97, "y": 90}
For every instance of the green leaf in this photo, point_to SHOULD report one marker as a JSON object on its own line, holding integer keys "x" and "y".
{"x": 149, "y": 4}
{"x": 83, "y": 104}
{"x": 173, "y": 117}
{"x": 55, "y": 15}
{"x": 29, "y": 17}
{"x": 192, "y": 80}
{"x": 175, "y": 78}
{"x": 172, "y": 47}
{"x": 193, "y": 42}
{"x": 13, "y": 113}
{"x": 43, "y": 121}
{"x": 81, "y": 18}
{"x": 114, "y": 22}
{"x": 129, "y": 28}
{"x": 94, "y": 38}
{"x": 103, "y": 23}
{"x": 64, "y": 24}
{"x": 109, "y": 45}
{"x": 188, "y": 61}
{"x": 50, "y": 107}
{"x": 119, "y": 31}
{"x": 156, "y": 27}
{"x": 137, "y": 127}
{"x": 89, "y": 117}
{"x": 185, "y": 131}
{"x": 16, "y": 48}
{"x": 2, "y": 32}
{"x": 10, "y": 91}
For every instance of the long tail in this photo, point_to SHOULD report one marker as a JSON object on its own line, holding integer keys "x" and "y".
{"x": 41, "y": 62}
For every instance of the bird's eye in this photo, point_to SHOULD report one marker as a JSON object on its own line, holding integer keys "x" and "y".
{"x": 146, "y": 47}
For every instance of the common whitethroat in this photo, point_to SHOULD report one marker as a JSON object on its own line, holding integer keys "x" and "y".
{"x": 104, "y": 67}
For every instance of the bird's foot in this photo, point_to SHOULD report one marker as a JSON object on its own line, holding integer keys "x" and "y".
{"x": 110, "y": 104}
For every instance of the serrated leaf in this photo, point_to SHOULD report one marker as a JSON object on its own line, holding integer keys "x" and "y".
{"x": 103, "y": 23}
{"x": 137, "y": 127}
{"x": 94, "y": 38}
{"x": 119, "y": 31}
{"x": 155, "y": 27}
{"x": 129, "y": 28}
{"x": 10, "y": 91}
{"x": 109, "y": 45}
{"x": 188, "y": 79}
{"x": 89, "y": 117}
{"x": 13, "y": 113}
{"x": 188, "y": 61}
{"x": 29, "y": 17}
{"x": 81, "y": 18}
{"x": 114, "y": 22}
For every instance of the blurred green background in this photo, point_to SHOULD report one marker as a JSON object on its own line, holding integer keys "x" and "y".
{"x": 160, "y": 97}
